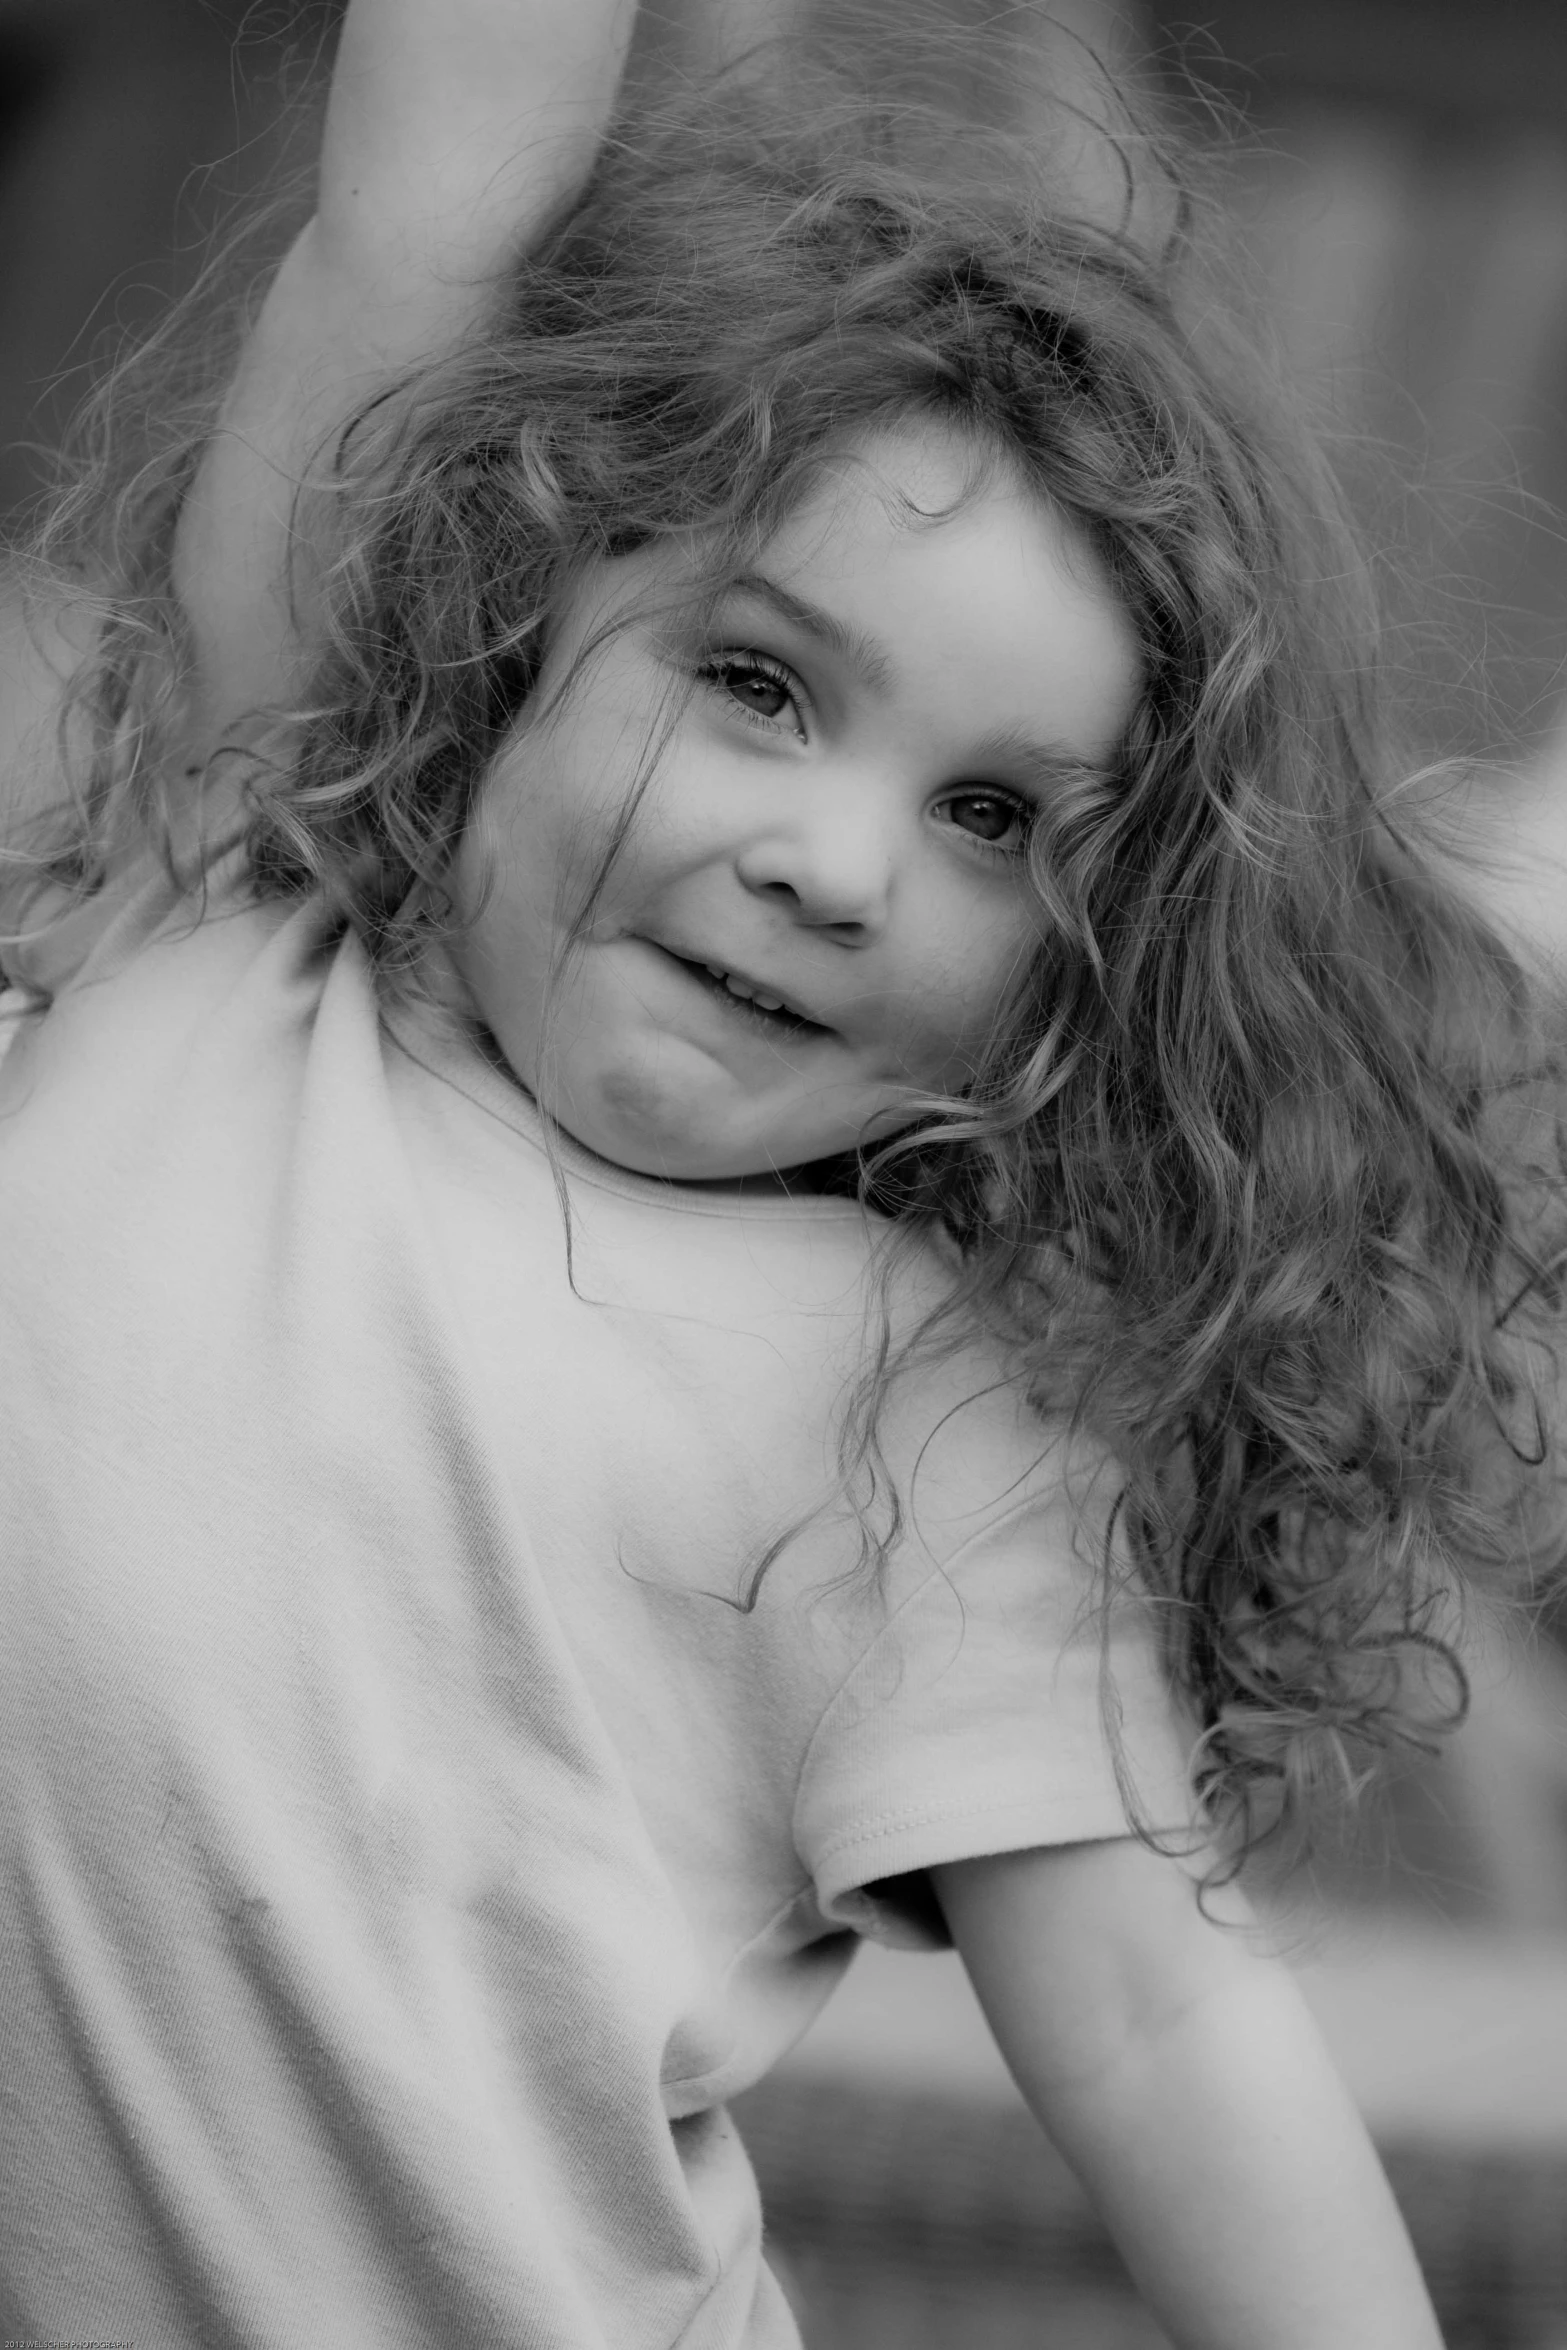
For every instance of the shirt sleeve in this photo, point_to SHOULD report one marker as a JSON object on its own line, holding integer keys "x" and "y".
{"x": 1002, "y": 1706}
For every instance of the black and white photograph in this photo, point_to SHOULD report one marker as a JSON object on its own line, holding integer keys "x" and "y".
{"x": 783, "y": 1175}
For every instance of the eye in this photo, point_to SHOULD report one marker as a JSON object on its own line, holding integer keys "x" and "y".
{"x": 991, "y": 819}
{"x": 762, "y": 688}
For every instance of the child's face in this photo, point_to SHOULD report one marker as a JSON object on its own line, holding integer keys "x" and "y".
{"x": 857, "y": 734}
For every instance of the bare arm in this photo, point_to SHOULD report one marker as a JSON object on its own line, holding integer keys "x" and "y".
{"x": 454, "y": 128}
{"x": 1182, "y": 2077}
{"x": 1502, "y": 841}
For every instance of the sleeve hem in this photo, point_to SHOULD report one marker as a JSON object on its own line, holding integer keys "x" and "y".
{"x": 924, "y": 1838}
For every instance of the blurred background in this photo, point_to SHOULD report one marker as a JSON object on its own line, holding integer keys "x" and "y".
{"x": 1400, "y": 174}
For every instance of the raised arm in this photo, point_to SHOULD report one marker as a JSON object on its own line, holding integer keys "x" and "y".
{"x": 1181, "y": 2075}
{"x": 453, "y": 129}
{"x": 1505, "y": 843}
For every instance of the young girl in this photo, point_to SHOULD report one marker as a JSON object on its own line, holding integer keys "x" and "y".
{"x": 749, "y": 1199}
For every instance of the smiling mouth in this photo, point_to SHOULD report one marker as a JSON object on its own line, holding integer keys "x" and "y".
{"x": 761, "y": 1010}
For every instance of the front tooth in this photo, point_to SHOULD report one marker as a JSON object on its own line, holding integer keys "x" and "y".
{"x": 716, "y": 971}
{"x": 737, "y": 987}
{"x": 768, "y": 1003}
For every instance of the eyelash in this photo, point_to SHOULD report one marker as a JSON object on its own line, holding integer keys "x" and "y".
{"x": 1022, "y": 813}
{"x": 723, "y": 668}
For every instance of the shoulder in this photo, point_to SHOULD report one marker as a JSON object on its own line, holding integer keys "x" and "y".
{"x": 68, "y": 939}
{"x": 48, "y": 928}
{"x": 953, "y": 1413}
{"x": 1008, "y": 1691}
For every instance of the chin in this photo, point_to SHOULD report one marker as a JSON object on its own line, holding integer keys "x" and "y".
{"x": 665, "y": 1122}
{"x": 634, "y": 1122}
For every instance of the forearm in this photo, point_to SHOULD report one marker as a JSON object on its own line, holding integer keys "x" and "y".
{"x": 451, "y": 129}
{"x": 1181, "y": 2074}
{"x": 1227, "y": 2160}
{"x": 454, "y": 128}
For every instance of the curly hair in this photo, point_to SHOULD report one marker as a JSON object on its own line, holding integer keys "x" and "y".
{"x": 1256, "y": 1169}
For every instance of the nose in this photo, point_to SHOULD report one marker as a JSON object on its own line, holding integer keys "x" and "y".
{"x": 829, "y": 859}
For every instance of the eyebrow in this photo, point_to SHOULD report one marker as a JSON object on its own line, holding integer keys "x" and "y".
{"x": 862, "y": 653}
{"x": 1046, "y": 764}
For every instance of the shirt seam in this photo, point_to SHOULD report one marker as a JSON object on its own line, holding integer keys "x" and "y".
{"x": 926, "y": 1815}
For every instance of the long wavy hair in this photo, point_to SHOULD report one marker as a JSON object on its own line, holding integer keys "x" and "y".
{"x": 1256, "y": 1179}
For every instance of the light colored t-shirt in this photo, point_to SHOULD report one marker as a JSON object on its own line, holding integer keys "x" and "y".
{"x": 410, "y": 1840}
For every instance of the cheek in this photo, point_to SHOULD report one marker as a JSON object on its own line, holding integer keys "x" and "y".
{"x": 525, "y": 856}
{"x": 957, "y": 1004}
{"x": 502, "y": 886}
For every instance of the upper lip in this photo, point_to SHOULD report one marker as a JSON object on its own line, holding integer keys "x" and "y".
{"x": 721, "y": 968}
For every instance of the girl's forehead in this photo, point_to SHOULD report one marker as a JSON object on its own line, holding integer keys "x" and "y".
{"x": 909, "y": 473}
{"x": 864, "y": 501}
